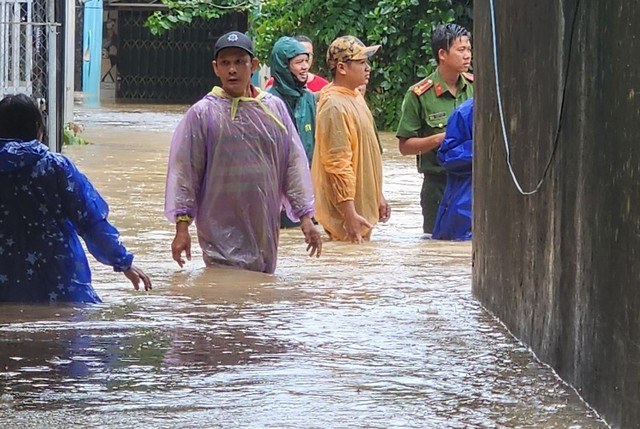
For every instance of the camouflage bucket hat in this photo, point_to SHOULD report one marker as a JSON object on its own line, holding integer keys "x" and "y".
{"x": 348, "y": 48}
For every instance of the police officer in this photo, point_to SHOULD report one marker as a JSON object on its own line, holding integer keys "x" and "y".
{"x": 426, "y": 108}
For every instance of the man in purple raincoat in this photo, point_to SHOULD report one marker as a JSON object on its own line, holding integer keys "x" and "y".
{"x": 235, "y": 158}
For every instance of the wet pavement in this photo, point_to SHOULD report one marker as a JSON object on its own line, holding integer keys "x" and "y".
{"x": 383, "y": 335}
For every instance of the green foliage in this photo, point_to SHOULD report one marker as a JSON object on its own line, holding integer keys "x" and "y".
{"x": 402, "y": 27}
{"x": 70, "y": 135}
{"x": 181, "y": 12}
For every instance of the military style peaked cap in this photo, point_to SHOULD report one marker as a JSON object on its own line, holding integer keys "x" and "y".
{"x": 348, "y": 48}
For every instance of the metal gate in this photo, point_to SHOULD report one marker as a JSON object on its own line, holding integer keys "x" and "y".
{"x": 28, "y": 54}
{"x": 174, "y": 67}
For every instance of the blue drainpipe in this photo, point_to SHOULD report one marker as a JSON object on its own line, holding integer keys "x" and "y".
{"x": 92, "y": 51}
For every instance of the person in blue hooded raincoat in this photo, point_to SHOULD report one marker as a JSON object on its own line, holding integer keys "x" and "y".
{"x": 453, "y": 221}
{"x": 46, "y": 204}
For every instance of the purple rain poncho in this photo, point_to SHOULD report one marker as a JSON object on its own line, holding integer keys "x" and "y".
{"x": 233, "y": 163}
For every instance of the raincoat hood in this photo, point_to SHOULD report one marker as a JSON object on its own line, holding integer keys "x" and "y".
{"x": 15, "y": 155}
{"x": 235, "y": 103}
{"x": 283, "y": 80}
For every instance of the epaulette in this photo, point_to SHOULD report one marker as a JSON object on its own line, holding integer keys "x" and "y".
{"x": 421, "y": 88}
{"x": 468, "y": 76}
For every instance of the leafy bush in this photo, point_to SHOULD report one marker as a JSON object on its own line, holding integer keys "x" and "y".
{"x": 182, "y": 12}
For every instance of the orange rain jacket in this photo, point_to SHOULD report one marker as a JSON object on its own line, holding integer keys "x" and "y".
{"x": 347, "y": 160}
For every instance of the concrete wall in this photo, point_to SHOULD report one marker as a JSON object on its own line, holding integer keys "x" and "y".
{"x": 561, "y": 267}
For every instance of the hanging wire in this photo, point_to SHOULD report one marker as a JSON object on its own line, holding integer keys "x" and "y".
{"x": 501, "y": 110}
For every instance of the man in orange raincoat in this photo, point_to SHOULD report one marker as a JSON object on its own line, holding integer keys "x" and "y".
{"x": 347, "y": 166}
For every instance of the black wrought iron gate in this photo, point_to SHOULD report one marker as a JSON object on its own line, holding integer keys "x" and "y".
{"x": 172, "y": 68}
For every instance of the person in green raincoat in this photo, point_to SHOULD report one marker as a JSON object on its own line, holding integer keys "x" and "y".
{"x": 289, "y": 64}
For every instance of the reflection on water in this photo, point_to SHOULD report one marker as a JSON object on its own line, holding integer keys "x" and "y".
{"x": 383, "y": 335}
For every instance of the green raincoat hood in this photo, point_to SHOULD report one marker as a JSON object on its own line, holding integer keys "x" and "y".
{"x": 284, "y": 81}
{"x": 300, "y": 102}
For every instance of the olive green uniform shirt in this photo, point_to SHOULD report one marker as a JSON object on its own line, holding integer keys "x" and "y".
{"x": 425, "y": 110}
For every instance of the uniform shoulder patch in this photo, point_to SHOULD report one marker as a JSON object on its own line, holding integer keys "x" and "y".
{"x": 422, "y": 87}
{"x": 468, "y": 76}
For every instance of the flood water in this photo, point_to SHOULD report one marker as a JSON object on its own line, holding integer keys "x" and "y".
{"x": 382, "y": 335}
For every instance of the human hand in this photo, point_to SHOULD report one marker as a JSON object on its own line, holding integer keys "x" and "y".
{"x": 135, "y": 274}
{"x": 311, "y": 236}
{"x": 181, "y": 243}
{"x": 384, "y": 210}
{"x": 354, "y": 224}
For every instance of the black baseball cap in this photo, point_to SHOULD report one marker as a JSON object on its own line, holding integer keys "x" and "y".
{"x": 233, "y": 39}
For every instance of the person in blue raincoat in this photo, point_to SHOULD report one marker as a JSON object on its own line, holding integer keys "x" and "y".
{"x": 45, "y": 204}
{"x": 453, "y": 221}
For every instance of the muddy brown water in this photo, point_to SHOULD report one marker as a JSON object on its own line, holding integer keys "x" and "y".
{"x": 383, "y": 335}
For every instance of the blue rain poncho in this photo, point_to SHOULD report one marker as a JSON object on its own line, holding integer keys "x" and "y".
{"x": 46, "y": 203}
{"x": 453, "y": 221}
{"x": 233, "y": 163}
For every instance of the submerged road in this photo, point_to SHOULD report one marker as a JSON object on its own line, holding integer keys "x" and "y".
{"x": 382, "y": 335}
